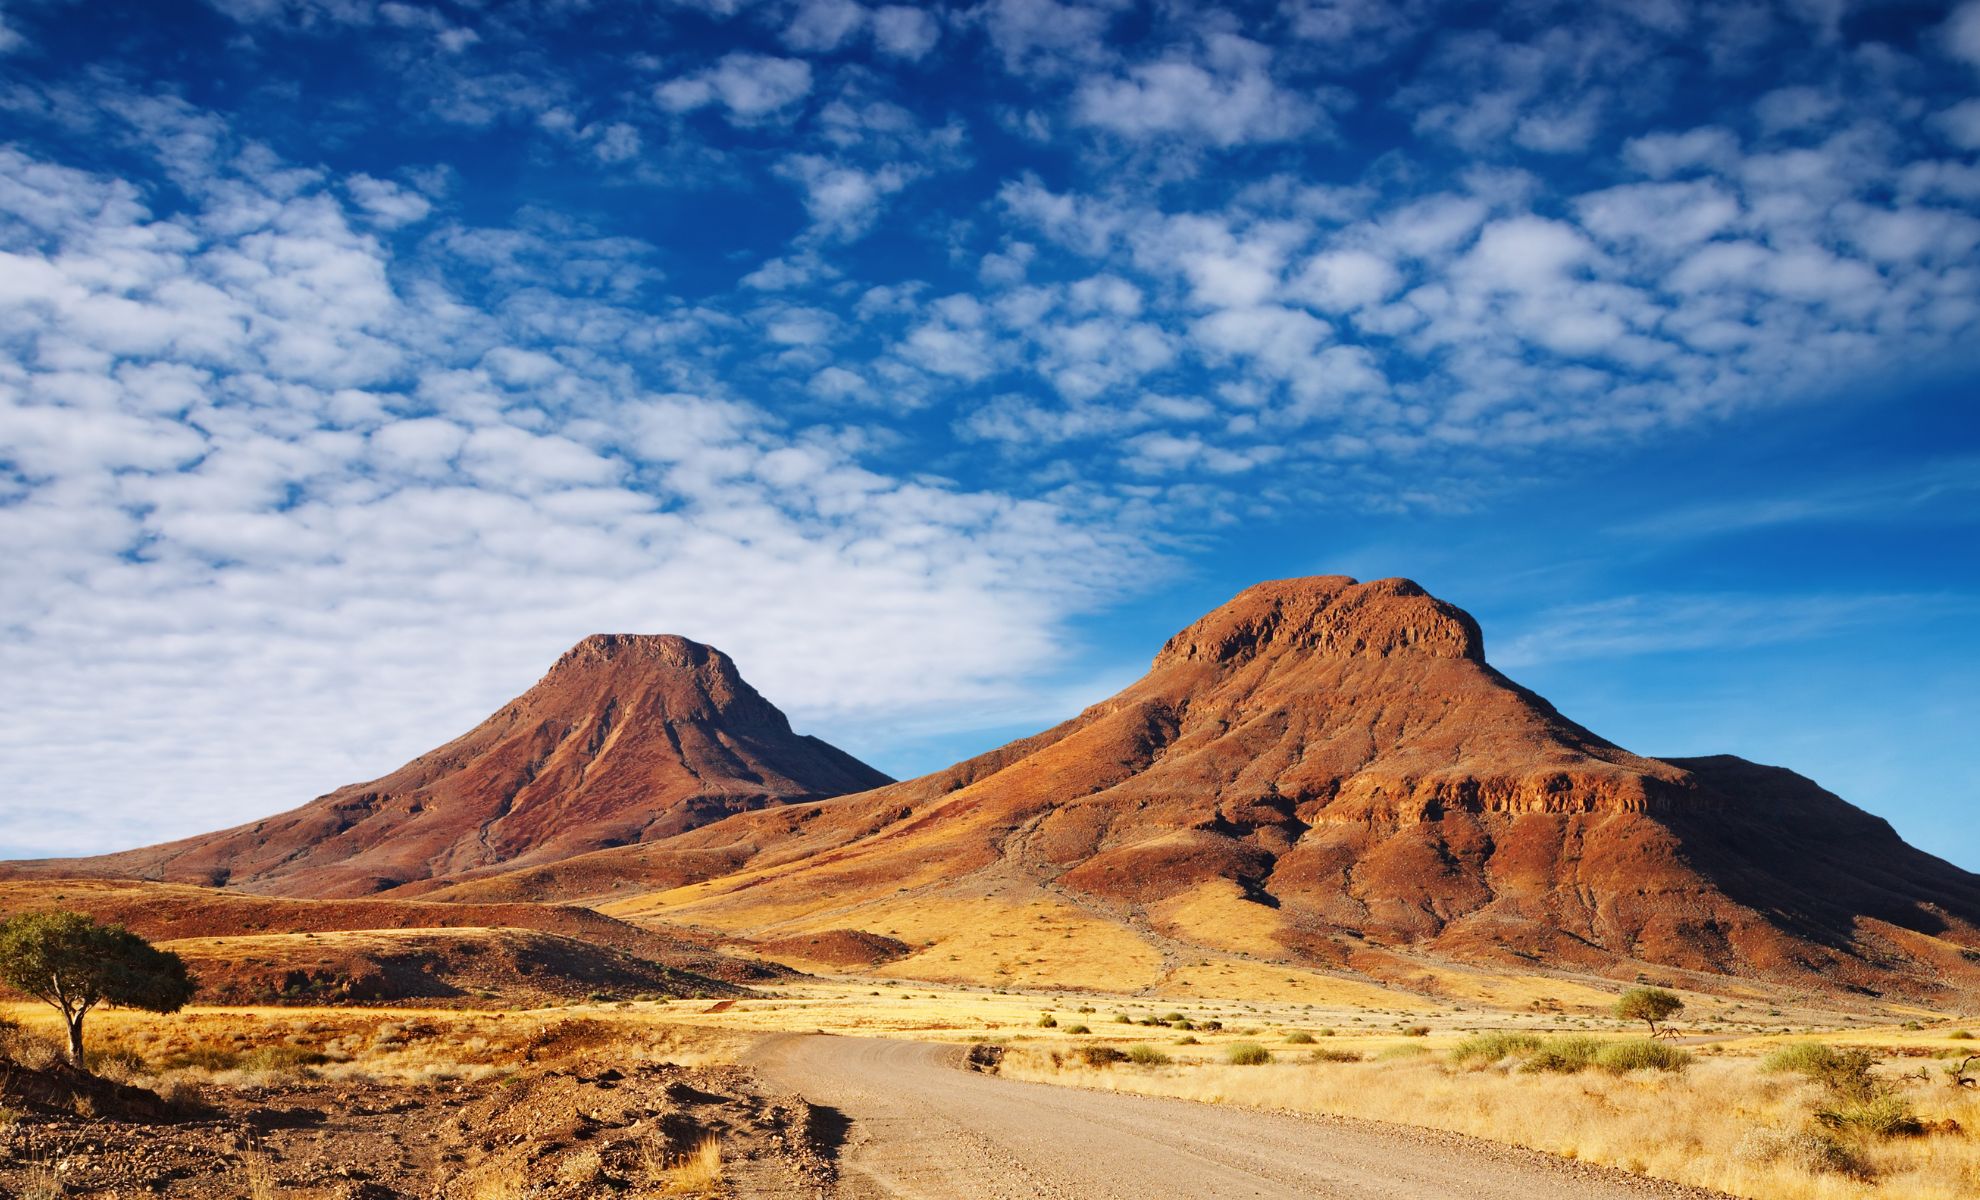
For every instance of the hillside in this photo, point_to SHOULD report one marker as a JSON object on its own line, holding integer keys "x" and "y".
{"x": 1325, "y": 773}
{"x": 627, "y": 739}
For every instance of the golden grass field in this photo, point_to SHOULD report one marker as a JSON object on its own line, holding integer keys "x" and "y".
{"x": 1725, "y": 1122}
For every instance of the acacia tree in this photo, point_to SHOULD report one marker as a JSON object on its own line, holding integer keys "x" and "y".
{"x": 1649, "y": 1005}
{"x": 73, "y": 963}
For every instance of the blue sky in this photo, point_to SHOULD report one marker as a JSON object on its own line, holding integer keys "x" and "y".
{"x": 939, "y": 361}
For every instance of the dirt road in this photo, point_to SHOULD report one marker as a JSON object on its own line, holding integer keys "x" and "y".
{"x": 920, "y": 1128}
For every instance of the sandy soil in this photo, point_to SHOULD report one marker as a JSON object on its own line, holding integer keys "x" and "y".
{"x": 923, "y": 1130}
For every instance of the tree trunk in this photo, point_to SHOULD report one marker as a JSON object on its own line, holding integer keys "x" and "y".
{"x": 75, "y": 1041}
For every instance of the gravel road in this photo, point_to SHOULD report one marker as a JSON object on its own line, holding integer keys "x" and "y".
{"x": 923, "y": 1129}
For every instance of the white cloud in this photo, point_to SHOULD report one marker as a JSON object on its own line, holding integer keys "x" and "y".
{"x": 904, "y": 31}
{"x": 288, "y": 476}
{"x": 390, "y": 205}
{"x": 749, "y": 87}
{"x": 843, "y": 200}
{"x": 820, "y": 26}
{"x": 1961, "y": 124}
{"x": 1340, "y": 281}
{"x": 1046, "y": 35}
{"x": 1961, "y": 33}
{"x": 1661, "y": 155}
{"x": 1224, "y": 96}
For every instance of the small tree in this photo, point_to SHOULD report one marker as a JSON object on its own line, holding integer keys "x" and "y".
{"x": 71, "y": 962}
{"x": 1649, "y": 1005}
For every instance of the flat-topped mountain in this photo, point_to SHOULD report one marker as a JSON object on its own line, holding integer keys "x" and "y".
{"x": 1322, "y": 767}
{"x": 627, "y": 739}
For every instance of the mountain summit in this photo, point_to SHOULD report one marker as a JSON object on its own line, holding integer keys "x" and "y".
{"x": 628, "y": 738}
{"x": 1321, "y": 768}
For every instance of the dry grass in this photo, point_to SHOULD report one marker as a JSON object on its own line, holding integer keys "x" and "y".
{"x": 1724, "y": 1123}
{"x": 696, "y": 1171}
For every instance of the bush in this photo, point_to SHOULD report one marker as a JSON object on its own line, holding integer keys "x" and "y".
{"x": 1961, "y": 1035}
{"x": 1562, "y": 1056}
{"x": 1123, "y": 1019}
{"x": 1101, "y": 1056}
{"x": 1299, "y": 1037}
{"x": 1417, "y": 1031}
{"x": 1641, "y": 1054}
{"x": 1881, "y": 1117}
{"x": 1077, "y": 1029}
{"x": 1811, "y": 1152}
{"x": 1147, "y": 1056}
{"x": 1846, "y": 1073}
{"x": 1484, "y": 1049}
{"x": 1212, "y": 1026}
{"x": 1187, "y": 1041}
{"x": 1247, "y": 1054}
{"x": 1048, "y": 1021}
{"x": 119, "y": 1064}
{"x": 1328, "y": 1054}
{"x": 1405, "y": 1050}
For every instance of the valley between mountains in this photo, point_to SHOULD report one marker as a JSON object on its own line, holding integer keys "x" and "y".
{"x": 1306, "y": 863}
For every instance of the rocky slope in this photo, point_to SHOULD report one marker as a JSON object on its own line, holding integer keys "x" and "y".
{"x": 627, "y": 739}
{"x": 1325, "y": 771}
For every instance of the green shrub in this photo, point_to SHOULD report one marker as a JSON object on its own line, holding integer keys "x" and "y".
{"x": 1123, "y": 1019}
{"x": 1212, "y": 1026}
{"x": 1147, "y": 1056}
{"x": 1961, "y": 1035}
{"x": 1048, "y": 1021}
{"x": 1484, "y": 1049}
{"x": 1641, "y": 1054}
{"x": 1405, "y": 1050}
{"x": 1181, "y": 1025}
{"x": 1247, "y": 1054}
{"x": 1562, "y": 1056}
{"x": 1171, "y": 1018}
{"x": 1880, "y": 1117}
{"x": 1846, "y": 1073}
{"x": 1299, "y": 1037}
{"x": 1101, "y": 1056}
{"x": 1330, "y": 1055}
{"x": 1077, "y": 1029}
{"x": 1187, "y": 1041}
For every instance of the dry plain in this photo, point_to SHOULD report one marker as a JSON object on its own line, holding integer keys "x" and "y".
{"x": 637, "y": 1098}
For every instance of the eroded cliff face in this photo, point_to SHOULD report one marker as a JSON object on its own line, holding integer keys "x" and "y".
{"x": 628, "y": 738}
{"x": 1324, "y": 765}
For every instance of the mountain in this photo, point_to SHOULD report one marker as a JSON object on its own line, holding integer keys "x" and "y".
{"x": 1328, "y": 773}
{"x": 626, "y": 739}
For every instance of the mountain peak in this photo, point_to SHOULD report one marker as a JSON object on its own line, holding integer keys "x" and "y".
{"x": 1328, "y": 615}
{"x": 665, "y": 648}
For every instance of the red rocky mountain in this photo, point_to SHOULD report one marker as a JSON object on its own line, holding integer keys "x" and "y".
{"x": 627, "y": 739}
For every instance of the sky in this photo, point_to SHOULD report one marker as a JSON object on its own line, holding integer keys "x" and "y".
{"x": 939, "y": 361}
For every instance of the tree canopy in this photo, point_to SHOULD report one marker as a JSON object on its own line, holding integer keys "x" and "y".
{"x": 73, "y": 963}
{"x": 1649, "y": 1005}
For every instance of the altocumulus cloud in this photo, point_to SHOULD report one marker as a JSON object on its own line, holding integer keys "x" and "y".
{"x": 263, "y": 474}
{"x": 342, "y": 389}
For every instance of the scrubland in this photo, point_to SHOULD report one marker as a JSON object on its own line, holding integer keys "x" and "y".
{"x": 1730, "y": 1116}
{"x": 1749, "y": 1101}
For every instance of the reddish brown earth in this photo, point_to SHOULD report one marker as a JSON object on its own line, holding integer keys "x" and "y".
{"x": 628, "y": 739}
{"x": 177, "y": 914}
{"x": 1320, "y": 771}
{"x": 1334, "y": 766}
